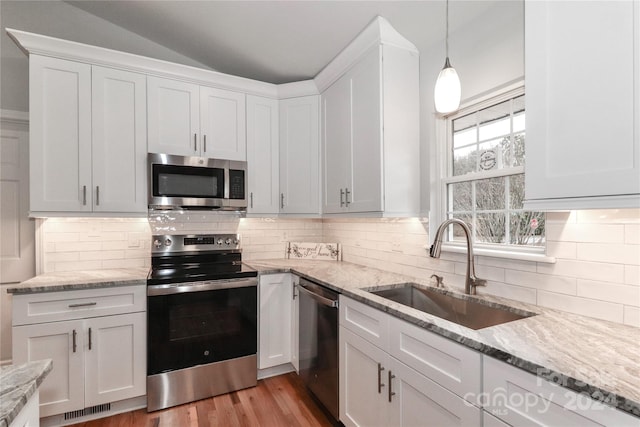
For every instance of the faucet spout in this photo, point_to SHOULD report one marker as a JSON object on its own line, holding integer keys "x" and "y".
{"x": 471, "y": 281}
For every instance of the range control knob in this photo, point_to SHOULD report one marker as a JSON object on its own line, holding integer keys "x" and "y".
{"x": 220, "y": 242}
{"x": 167, "y": 242}
{"x": 236, "y": 241}
{"x": 157, "y": 243}
{"x": 228, "y": 241}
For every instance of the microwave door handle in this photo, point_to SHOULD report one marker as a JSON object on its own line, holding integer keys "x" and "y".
{"x": 226, "y": 182}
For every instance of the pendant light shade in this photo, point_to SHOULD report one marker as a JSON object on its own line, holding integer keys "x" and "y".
{"x": 447, "y": 92}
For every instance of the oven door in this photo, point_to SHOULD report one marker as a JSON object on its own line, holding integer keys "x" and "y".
{"x": 200, "y": 323}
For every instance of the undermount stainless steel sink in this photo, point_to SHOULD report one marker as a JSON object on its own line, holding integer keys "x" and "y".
{"x": 463, "y": 311}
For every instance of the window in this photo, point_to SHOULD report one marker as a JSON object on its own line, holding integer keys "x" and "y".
{"x": 483, "y": 183}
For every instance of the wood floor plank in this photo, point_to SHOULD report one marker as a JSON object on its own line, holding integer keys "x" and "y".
{"x": 275, "y": 402}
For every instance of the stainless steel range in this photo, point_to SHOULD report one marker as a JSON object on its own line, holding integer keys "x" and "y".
{"x": 202, "y": 319}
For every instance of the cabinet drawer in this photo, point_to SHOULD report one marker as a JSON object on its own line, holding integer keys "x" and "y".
{"x": 446, "y": 362}
{"x": 67, "y": 305}
{"x": 368, "y": 322}
{"x": 523, "y": 399}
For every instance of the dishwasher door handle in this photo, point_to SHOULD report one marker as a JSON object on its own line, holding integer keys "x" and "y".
{"x": 319, "y": 298}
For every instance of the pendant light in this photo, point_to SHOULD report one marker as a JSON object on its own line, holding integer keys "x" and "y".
{"x": 447, "y": 92}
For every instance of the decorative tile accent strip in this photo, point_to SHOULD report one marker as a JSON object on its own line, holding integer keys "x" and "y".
{"x": 317, "y": 251}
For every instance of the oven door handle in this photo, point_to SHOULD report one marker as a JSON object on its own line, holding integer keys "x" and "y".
{"x": 214, "y": 285}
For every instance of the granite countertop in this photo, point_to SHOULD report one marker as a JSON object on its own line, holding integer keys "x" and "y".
{"x": 75, "y": 280}
{"x": 17, "y": 384}
{"x": 586, "y": 355}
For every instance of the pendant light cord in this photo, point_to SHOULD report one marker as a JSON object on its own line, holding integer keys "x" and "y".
{"x": 446, "y": 39}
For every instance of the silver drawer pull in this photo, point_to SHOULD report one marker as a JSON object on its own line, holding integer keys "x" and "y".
{"x": 85, "y": 304}
{"x": 380, "y": 385}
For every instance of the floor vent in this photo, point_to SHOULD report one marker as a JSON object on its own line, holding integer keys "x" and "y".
{"x": 87, "y": 411}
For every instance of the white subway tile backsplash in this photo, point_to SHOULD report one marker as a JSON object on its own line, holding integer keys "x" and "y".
{"x": 612, "y": 292}
{"x": 596, "y": 273}
{"x": 584, "y": 306}
{"x": 615, "y": 254}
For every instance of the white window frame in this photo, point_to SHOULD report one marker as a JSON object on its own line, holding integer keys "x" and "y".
{"x": 442, "y": 169}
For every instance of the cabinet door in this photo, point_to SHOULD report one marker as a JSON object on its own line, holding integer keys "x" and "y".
{"x": 413, "y": 398}
{"x": 363, "y": 382}
{"x": 275, "y": 319}
{"x": 119, "y": 140}
{"x": 63, "y": 342}
{"x": 299, "y": 155}
{"x": 583, "y": 118}
{"x": 262, "y": 155}
{"x": 60, "y": 135}
{"x": 222, "y": 124}
{"x": 365, "y": 178}
{"x": 336, "y": 147}
{"x": 173, "y": 109}
{"x": 115, "y": 351}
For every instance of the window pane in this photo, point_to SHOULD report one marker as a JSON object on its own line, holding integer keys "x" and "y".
{"x": 495, "y": 128}
{"x": 456, "y": 233}
{"x": 490, "y": 194}
{"x": 465, "y": 137}
{"x": 465, "y": 160}
{"x": 460, "y": 194}
{"x": 491, "y": 154}
{"x": 516, "y": 191}
{"x": 490, "y": 228}
{"x": 527, "y": 228}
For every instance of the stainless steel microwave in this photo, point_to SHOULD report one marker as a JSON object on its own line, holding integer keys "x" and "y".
{"x": 196, "y": 182}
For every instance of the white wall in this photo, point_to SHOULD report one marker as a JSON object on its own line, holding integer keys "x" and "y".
{"x": 59, "y": 19}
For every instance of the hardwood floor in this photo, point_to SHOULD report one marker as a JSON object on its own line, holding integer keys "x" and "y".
{"x": 276, "y": 401}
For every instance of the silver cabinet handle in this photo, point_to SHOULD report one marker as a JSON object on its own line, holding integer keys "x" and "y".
{"x": 97, "y": 195}
{"x": 293, "y": 291}
{"x": 195, "y": 142}
{"x": 204, "y": 144}
{"x": 391, "y": 393}
{"x": 341, "y": 197}
{"x": 75, "y": 344}
{"x": 89, "y": 338}
{"x": 84, "y": 304}
{"x": 251, "y": 200}
{"x": 84, "y": 195}
{"x": 282, "y": 200}
{"x": 346, "y": 197}
{"x": 380, "y": 385}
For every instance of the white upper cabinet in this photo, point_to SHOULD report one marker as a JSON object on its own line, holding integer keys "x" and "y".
{"x": 191, "y": 120}
{"x": 119, "y": 140}
{"x": 583, "y": 111}
{"x": 262, "y": 155}
{"x": 370, "y": 135}
{"x": 88, "y": 138}
{"x": 60, "y": 135}
{"x": 299, "y": 155}
{"x": 174, "y": 116}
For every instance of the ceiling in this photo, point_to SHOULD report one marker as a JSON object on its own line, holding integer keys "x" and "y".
{"x": 276, "y": 41}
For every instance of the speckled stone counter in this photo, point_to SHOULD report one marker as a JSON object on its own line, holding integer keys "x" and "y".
{"x": 586, "y": 355}
{"x": 17, "y": 384}
{"x": 73, "y": 280}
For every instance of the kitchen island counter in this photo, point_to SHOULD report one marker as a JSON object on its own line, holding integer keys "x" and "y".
{"x": 586, "y": 355}
{"x": 18, "y": 383}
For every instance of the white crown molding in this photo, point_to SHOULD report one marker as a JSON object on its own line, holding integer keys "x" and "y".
{"x": 36, "y": 44}
{"x": 379, "y": 31}
{"x": 297, "y": 89}
{"x": 13, "y": 116}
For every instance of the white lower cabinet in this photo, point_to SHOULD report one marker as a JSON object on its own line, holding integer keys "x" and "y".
{"x": 97, "y": 358}
{"x": 276, "y": 303}
{"x": 377, "y": 389}
{"x": 522, "y": 399}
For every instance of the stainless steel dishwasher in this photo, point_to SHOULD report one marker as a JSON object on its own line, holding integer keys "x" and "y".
{"x": 318, "y": 341}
